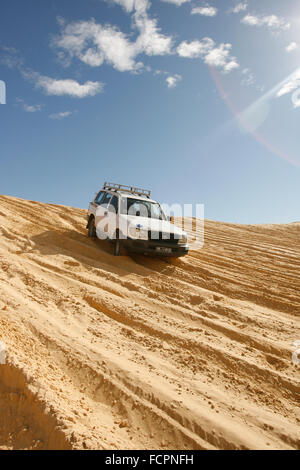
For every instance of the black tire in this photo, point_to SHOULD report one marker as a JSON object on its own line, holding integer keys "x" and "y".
{"x": 92, "y": 228}
{"x": 117, "y": 245}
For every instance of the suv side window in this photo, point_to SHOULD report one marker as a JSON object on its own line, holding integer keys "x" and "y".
{"x": 113, "y": 206}
{"x": 105, "y": 200}
{"x": 99, "y": 197}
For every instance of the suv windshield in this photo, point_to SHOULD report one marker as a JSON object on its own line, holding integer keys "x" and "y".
{"x": 141, "y": 208}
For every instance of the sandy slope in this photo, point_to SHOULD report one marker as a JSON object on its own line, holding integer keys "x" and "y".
{"x": 132, "y": 352}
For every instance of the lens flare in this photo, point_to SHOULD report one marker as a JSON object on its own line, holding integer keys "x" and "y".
{"x": 251, "y": 118}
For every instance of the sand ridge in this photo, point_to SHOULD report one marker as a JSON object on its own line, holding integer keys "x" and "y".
{"x": 137, "y": 353}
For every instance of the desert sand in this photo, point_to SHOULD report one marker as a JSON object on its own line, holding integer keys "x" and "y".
{"x": 129, "y": 352}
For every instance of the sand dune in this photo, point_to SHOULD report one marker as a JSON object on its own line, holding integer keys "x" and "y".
{"x": 137, "y": 353}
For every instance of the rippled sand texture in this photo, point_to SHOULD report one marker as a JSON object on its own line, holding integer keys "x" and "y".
{"x": 136, "y": 353}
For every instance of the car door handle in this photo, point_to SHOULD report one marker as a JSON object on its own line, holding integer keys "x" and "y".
{"x": 105, "y": 213}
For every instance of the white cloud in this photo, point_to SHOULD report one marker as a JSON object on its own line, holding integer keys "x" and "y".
{"x": 128, "y": 5}
{"x": 292, "y": 84}
{"x": 272, "y": 22}
{"x": 33, "y": 108}
{"x": 10, "y": 57}
{"x": 95, "y": 44}
{"x": 8, "y": 49}
{"x": 210, "y": 53}
{"x": 248, "y": 78}
{"x": 176, "y": 2}
{"x": 242, "y": 6}
{"x": 195, "y": 48}
{"x": 291, "y": 47}
{"x": 219, "y": 57}
{"x": 69, "y": 87}
{"x": 205, "y": 11}
{"x": 29, "y": 108}
{"x": 52, "y": 86}
{"x": 172, "y": 81}
{"x": 160, "y": 72}
{"x": 61, "y": 115}
{"x": 150, "y": 40}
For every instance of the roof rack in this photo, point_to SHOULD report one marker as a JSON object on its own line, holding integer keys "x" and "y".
{"x": 128, "y": 189}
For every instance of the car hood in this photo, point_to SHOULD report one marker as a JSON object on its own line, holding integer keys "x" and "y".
{"x": 146, "y": 223}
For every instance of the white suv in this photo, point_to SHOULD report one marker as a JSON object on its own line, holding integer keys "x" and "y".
{"x": 128, "y": 217}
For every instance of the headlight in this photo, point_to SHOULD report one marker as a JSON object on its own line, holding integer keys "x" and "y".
{"x": 182, "y": 240}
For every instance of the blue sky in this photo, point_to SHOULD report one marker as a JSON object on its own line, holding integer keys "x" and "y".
{"x": 199, "y": 101}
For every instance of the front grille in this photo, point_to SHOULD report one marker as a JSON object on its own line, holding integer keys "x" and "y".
{"x": 163, "y": 237}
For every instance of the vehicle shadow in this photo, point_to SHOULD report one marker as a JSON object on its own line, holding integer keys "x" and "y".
{"x": 97, "y": 253}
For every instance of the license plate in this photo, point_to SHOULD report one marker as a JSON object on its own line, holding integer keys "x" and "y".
{"x": 163, "y": 250}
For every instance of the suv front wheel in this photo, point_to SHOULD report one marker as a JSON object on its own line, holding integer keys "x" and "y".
{"x": 117, "y": 244}
{"x": 92, "y": 228}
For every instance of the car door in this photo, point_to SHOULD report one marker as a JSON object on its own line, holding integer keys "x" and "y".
{"x": 101, "y": 216}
